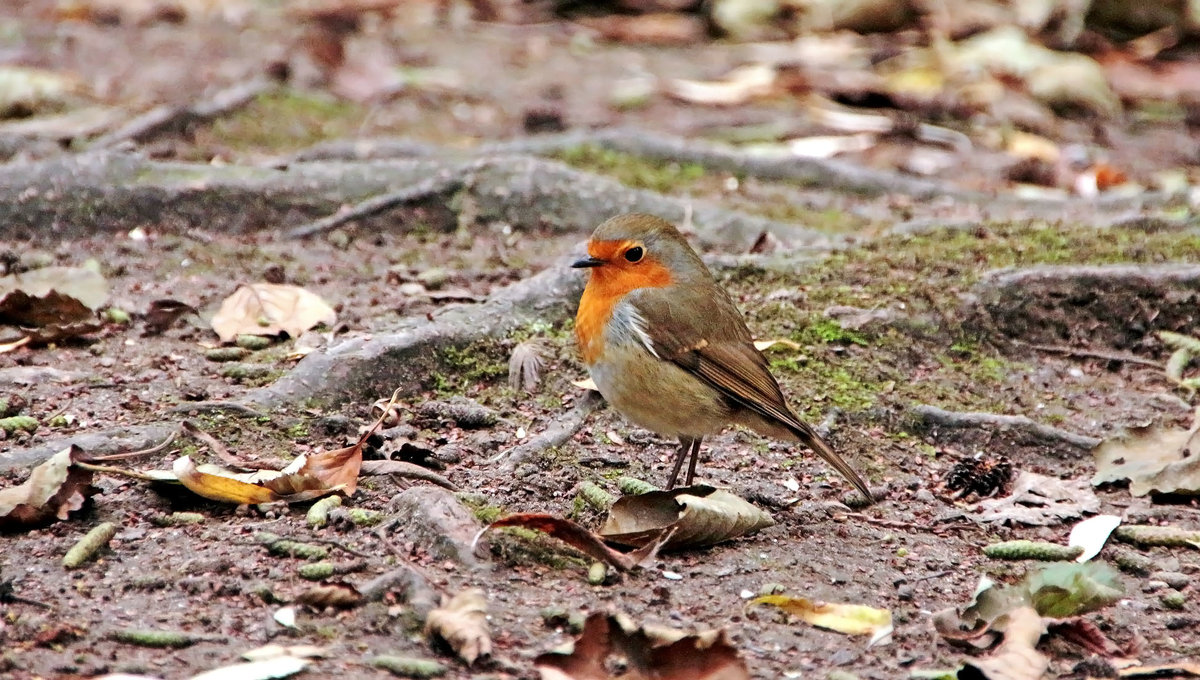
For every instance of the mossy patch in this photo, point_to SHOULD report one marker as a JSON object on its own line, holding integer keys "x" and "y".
{"x": 633, "y": 171}
{"x": 932, "y": 357}
{"x": 284, "y": 120}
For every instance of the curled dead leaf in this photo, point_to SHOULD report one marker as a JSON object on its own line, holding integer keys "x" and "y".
{"x": 699, "y": 516}
{"x": 54, "y": 489}
{"x": 270, "y": 309}
{"x": 646, "y": 653}
{"x": 852, "y": 619}
{"x": 461, "y": 622}
{"x": 583, "y": 540}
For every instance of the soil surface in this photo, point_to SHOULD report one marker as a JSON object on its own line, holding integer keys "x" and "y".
{"x": 915, "y": 552}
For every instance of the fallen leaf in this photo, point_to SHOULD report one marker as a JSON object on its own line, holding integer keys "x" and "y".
{"x": 52, "y": 309}
{"x": 270, "y": 309}
{"x": 763, "y": 345}
{"x": 84, "y": 285}
{"x": 1091, "y": 534}
{"x": 266, "y": 669}
{"x": 1017, "y": 658}
{"x": 1039, "y": 500}
{"x": 306, "y": 478}
{"x": 699, "y": 516}
{"x": 581, "y": 539}
{"x": 646, "y": 655}
{"x": 54, "y": 489}
{"x": 586, "y": 384}
{"x": 1085, "y": 634}
{"x": 852, "y": 619}
{"x": 270, "y": 651}
{"x": 1063, "y": 590}
{"x": 15, "y": 344}
{"x": 972, "y": 626}
{"x": 1153, "y": 458}
{"x": 339, "y": 595}
{"x": 461, "y": 622}
{"x": 738, "y": 87}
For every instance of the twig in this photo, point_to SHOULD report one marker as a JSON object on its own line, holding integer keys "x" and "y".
{"x": 209, "y": 406}
{"x": 217, "y": 447}
{"x": 556, "y": 435}
{"x": 1123, "y": 357}
{"x": 433, "y": 186}
{"x": 175, "y": 119}
{"x": 935, "y": 417}
{"x": 134, "y": 454}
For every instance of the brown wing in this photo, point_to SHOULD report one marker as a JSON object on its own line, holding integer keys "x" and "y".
{"x": 719, "y": 349}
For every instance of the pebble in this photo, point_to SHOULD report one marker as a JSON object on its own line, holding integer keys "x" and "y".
{"x": 1174, "y": 579}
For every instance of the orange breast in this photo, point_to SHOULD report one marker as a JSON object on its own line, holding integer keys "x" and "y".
{"x": 608, "y": 285}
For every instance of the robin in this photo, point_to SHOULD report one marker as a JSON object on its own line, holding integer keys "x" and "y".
{"x": 669, "y": 350}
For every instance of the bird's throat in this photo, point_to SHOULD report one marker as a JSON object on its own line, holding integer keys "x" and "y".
{"x": 608, "y": 285}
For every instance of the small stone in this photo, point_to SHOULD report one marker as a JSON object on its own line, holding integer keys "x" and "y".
{"x": 1173, "y": 599}
{"x": 1153, "y": 586}
{"x": 1174, "y": 579}
{"x": 905, "y": 593}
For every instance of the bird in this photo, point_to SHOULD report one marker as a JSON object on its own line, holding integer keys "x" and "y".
{"x": 667, "y": 347}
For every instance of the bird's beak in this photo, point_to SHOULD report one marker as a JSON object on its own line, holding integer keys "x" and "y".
{"x": 588, "y": 263}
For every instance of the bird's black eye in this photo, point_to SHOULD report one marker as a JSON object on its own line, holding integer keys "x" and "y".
{"x": 634, "y": 254}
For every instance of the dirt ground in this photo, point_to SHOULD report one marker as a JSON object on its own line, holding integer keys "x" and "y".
{"x": 913, "y": 553}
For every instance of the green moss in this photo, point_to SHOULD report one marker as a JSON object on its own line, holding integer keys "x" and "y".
{"x": 633, "y": 171}
{"x": 829, "y": 331}
{"x": 284, "y": 120}
{"x": 476, "y": 362}
{"x": 483, "y": 511}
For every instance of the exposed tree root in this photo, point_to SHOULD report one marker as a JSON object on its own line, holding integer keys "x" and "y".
{"x": 932, "y": 417}
{"x": 1118, "y": 305}
{"x": 559, "y": 433}
{"x": 90, "y": 193}
{"x": 815, "y": 172}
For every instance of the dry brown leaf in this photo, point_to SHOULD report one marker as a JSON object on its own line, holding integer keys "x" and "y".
{"x": 1164, "y": 670}
{"x": 1154, "y": 458}
{"x": 54, "y": 489}
{"x": 1017, "y": 658}
{"x": 270, "y": 309}
{"x": 1039, "y": 500}
{"x": 583, "y": 540}
{"x": 461, "y": 622}
{"x": 646, "y": 655}
{"x": 339, "y": 595}
{"x": 699, "y": 515}
{"x": 52, "y": 309}
{"x": 306, "y": 478}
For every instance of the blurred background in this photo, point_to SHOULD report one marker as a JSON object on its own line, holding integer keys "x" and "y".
{"x": 1038, "y": 97}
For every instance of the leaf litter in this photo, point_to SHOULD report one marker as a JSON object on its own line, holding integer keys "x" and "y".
{"x": 1153, "y": 458}
{"x": 270, "y": 309}
{"x": 646, "y": 654}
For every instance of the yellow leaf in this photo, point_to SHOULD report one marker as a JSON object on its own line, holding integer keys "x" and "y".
{"x": 761, "y": 345}
{"x": 852, "y": 619}
{"x": 219, "y": 487}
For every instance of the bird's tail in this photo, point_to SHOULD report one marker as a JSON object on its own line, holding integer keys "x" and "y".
{"x": 809, "y": 437}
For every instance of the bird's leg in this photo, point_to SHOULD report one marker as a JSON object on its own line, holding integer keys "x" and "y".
{"x": 685, "y": 443}
{"x": 692, "y": 465}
